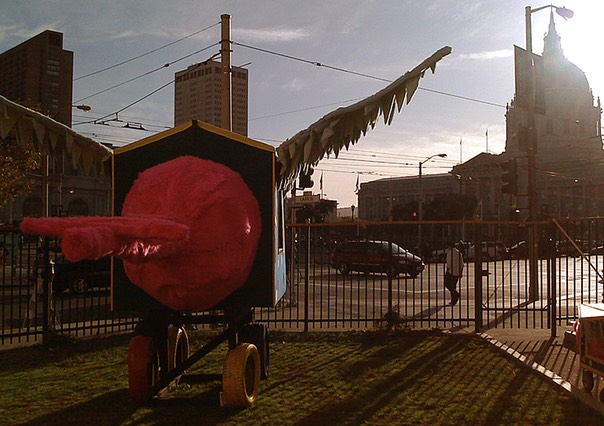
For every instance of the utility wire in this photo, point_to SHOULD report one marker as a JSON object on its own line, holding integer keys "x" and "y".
{"x": 145, "y": 54}
{"x": 315, "y": 63}
{"x": 149, "y": 72}
{"x": 100, "y": 120}
{"x": 319, "y": 64}
{"x": 304, "y": 109}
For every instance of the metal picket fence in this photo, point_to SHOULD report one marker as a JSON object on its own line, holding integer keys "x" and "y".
{"x": 500, "y": 287}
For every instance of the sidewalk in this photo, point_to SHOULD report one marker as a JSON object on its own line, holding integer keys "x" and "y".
{"x": 546, "y": 355}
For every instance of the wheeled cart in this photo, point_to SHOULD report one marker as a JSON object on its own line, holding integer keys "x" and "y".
{"x": 158, "y": 354}
{"x": 590, "y": 344}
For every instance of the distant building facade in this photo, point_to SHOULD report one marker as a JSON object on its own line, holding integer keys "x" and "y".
{"x": 378, "y": 199}
{"x": 569, "y": 156}
{"x": 198, "y": 95}
{"x": 38, "y": 73}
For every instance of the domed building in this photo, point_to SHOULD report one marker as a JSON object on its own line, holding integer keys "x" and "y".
{"x": 569, "y": 154}
{"x": 569, "y": 172}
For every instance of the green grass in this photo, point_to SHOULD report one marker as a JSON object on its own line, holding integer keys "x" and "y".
{"x": 351, "y": 378}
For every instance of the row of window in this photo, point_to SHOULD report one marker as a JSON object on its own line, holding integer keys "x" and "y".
{"x": 207, "y": 71}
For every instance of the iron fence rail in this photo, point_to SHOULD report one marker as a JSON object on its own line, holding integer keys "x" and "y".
{"x": 500, "y": 286}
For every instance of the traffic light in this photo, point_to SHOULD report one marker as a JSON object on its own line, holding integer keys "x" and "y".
{"x": 305, "y": 180}
{"x": 510, "y": 176}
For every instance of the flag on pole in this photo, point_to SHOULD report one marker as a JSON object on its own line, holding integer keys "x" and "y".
{"x": 358, "y": 185}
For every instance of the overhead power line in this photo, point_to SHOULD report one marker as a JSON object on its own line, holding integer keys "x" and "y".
{"x": 145, "y": 54}
{"x": 148, "y": 73}
{"x": 315, "y": 63}
{"x": 102, "y": 119}
{"x": 320, "y": 64}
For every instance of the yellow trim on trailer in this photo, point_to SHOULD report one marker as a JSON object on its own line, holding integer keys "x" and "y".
{"x": 200, "y": 124}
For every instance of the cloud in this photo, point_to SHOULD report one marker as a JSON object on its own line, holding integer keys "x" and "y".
{"x": 15, "y": 34}
{"x": 488, "y": 55}
{"x": 294, "y": 85}
{"x": 271, "y": 34}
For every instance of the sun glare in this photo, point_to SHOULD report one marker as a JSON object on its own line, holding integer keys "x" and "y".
{"x": 580, "y": 41}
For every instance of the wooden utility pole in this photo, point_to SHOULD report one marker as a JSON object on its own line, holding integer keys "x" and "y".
{"x": 225, "y": 55}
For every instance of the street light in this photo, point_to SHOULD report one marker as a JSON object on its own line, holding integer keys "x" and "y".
{"x": 532, "y": 143}
{"x": 420, "y": 211}
{"x": 532, "y": 146}
{"x": 85, "y": 108}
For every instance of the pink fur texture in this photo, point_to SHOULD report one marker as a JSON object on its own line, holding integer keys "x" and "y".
{"x": 95, "y": 237}
{"x": 224, "y": 223}
{"x": 188, "y": 235}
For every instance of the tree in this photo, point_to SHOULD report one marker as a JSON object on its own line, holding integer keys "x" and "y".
{"x": 317, "y": 212}
{"x": 450, "y": 207}
{"x": 16, "y": 165}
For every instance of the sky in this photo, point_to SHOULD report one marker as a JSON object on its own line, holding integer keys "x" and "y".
{"x": 459, "y": 110}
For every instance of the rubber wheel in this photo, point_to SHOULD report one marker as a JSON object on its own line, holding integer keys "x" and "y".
{"x": 143, "y": 368}
{"x": 79, "y": 285}
{"x": 241, "y": 376}
{"x": 178, "y": 347}
{"x": 587, "y": 378}
{"x": 257, "y": 334}
{"x": 344, "y": 269}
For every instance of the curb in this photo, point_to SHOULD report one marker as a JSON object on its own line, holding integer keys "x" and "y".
{"x": 578, "y": 393}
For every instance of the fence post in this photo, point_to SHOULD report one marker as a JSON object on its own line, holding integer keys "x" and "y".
{"x": 306, "y": 274}
{"x": 390, "y": 314}
{"x": 478, "y": 320}
{"x": 46, "y": 293}
{"x": 551, "y": 271}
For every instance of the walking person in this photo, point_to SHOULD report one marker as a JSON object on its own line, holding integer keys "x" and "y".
{"x": 454, "y": 271}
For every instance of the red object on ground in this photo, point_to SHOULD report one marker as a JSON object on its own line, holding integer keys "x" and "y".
{"x": 595, "y": 347}
{"x": 188, "y": 234}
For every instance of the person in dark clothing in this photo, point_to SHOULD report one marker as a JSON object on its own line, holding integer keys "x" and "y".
{"x": 453, "y": 272}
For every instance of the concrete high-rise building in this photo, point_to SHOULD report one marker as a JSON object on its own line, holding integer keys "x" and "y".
{"x": 198, "y": 94}
{"x": 38, "y": 73}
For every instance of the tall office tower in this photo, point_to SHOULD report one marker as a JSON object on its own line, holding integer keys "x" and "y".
{"x": 38, "y": 73}
{"x": 198, "y": 94}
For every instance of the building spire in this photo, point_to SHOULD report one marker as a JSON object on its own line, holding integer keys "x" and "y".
{"x": 552, "y": 44}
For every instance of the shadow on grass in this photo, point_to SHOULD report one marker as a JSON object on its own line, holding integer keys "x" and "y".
{"x": 356, "y": 378}
{"x": 32, "y": 357}
{"x": 440, "y": 386}
{"x": 116, "y": 408}
{"x": 365, "y": 405}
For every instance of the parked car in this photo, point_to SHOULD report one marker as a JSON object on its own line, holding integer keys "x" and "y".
{"x": 518, "y": 250}
{"x": 79, "y": 277}
{"x": 373, "y": 256}
{"x": 597, "y": 250}
{"x": 491, "y": 250}
{"x": 440, "y": 256}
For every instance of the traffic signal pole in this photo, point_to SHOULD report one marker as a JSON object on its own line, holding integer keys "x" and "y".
{"x": 532, "y": 153}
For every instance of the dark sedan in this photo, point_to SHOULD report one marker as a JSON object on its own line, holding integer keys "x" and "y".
{"x": 79, "y": 277}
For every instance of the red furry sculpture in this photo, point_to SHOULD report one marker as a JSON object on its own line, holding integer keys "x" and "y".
{"x": 188, "y": 233}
